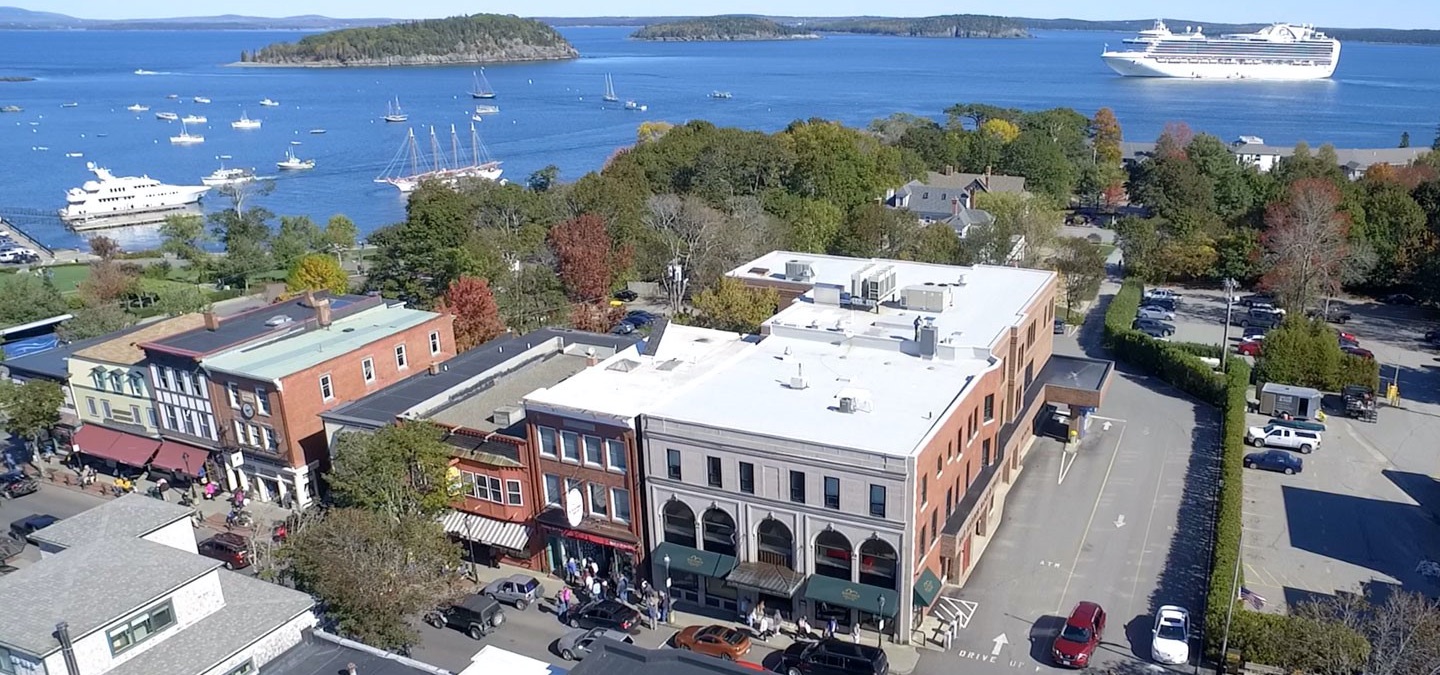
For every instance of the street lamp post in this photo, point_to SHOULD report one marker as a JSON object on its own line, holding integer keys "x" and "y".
{"x": 668, "y": 598}
{"x": 880, "y": 624}
{"x": 1230, "y": 286}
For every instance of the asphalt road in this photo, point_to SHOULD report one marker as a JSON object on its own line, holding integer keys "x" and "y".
{"x": 50, "y": 500}
{"x": 1124, "y": 522}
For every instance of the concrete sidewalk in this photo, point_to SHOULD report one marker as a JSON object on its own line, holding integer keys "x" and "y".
{"x": 903, "y": 658}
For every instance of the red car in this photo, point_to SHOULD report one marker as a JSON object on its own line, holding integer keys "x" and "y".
{"x": 1348, "y": 339}
{"x": 228, "y": 547}
{"x": 1081, "y": 634}
{"x": 1248, "y": 348}
{"x": 1359, "y": 351}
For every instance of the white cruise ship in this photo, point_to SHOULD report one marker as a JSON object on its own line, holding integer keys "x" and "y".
{"x": 1277, "y": 52}
{"x": 108, "y": 201}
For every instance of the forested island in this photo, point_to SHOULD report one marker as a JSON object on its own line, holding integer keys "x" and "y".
{"x": 950, "y": 25}
{"x": 721, "y": 28}
{"x": 481, "y": 38}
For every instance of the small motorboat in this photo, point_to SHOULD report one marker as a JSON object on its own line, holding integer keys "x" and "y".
{"x": 167, "y": 116}
{"x": 71, "y": 104}
{"x": 290, "y": 163}
{"x": 194, "y": 119}
{"x": 245, "y": 122}
{"x": 317, "y": 132}
{"x": 137, "y": 107}
{"x": 269, "y": 103}
{"x": 200, "y": 99}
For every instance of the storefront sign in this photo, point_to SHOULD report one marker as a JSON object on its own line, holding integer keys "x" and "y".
{"x": 574, "y": 507}
{"x": 236, "y": 459}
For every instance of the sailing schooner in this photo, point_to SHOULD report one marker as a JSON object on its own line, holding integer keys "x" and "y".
{"x": 410, "y": 167}
{"x": 481, "y": 88}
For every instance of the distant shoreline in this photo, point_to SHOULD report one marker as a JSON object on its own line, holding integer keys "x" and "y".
{"x": 731, "y": 38}
{"x": 391, "y": 64}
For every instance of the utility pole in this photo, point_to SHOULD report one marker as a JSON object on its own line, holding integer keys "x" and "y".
{"x": 1234, "y": 595}
{"x": 1230, "y": 287}
{"x": 675, "y": 273}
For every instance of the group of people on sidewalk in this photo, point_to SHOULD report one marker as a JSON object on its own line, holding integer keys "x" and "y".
{"x": 584, "y": 583}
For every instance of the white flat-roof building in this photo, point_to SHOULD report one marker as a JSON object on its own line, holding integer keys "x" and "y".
{"x": 847, "y": 466}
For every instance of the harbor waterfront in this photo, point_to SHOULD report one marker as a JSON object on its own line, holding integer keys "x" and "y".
{"x": 553, "y": 112}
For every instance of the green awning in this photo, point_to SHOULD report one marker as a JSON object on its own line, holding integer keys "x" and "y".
{"x": 863, "y": 597}
{"x": 927, "y": 588}
{"x": 693, "y": 560}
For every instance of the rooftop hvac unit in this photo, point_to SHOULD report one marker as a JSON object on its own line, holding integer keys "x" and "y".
{"x": 507, "y": 415}
{"x": 873, "y": 283}
{"x": 926, "y": 298}
{"x": 847, "y": 404}
{"x": 827, "y": 294}
{"x": 929, "y": 339}
{"x": 799, "y": 270}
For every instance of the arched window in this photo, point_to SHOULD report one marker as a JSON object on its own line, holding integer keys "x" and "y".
{"x": 833, "y": 555}
{"x": 679, "y": 523}
{"x": 878, "y": 564}
{"x": 719, "y": 532}
{"x": 775, "y": 544}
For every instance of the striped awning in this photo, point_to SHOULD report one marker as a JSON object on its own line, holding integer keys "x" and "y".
{"x": 513, "y": 536}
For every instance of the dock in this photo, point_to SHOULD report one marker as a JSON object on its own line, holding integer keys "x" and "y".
{"x": 48, "y": 256}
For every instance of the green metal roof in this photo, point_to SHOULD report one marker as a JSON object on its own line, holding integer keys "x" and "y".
{"x": 291, "y": 354}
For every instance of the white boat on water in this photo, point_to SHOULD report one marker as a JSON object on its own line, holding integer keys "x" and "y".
{"x": 167, "y": 116}
{"x": 201, "y": 99}
{"x": 317, "y": 131}
{"x": 269, "y": 103}
{"x": 1277, "y": 52}
{"x": 290, "y": 163}
{"x": 74, "y": 154}
{"x": 224, "y": 176}
{"x": 245, "y": 122}
{"x": 108, "y": 201}
{"x": 186, "y": 138}
{"x": 71, "y": 104}
{"x": 487, "y": 110}
{"x": 481, "y": 88}
{"x": 194, "y": 119}
{"x": 610, "y": 90}
{"x": 142, "y": 71}
{"x": 720, "y": 94}
{"x": 409, "y": 167}
{"x": 631, "y": 105}
{"x": 393, "y": 112}
{"x": 137, "y": 107}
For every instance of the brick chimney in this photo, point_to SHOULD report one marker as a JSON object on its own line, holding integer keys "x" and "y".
{"x": 212, "y": 321}
{"x": 435, "y": 369}
{"x": 591, "y": 359}
{"x": 949, "y": 169}
{"x": 986, "y": 181}
{"x": 955, "y": 207}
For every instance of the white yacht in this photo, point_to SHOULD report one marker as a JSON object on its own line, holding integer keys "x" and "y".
{"x": 194, "y": 119}
{"x": 186, "y": 138}
{"x": 224, "y": 176}
{"x": 201, "y": 99}
{"x": 487, "y": 109}
{"x": 136, "y": 107}
{"x": 1277, "y": 52}
{"x": 290, "y": 163}
{"x": 167, "y": 116}
{"x": 269, "y": 103}
{"x": 108, "y": 201}
{"x": 245, "y": 122}
{"x": 640, "y": 107}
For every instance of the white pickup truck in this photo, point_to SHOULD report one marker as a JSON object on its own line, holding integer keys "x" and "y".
{"x": 1283, "y": 437}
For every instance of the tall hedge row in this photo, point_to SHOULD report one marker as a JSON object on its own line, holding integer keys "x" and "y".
{"x": 1229, "y": 511}
{"x": 1178, "y": 364}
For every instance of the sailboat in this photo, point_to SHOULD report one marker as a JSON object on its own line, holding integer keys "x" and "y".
{"x": 393, "y": 113}
{"x": 185, "y": 137}
{"x": 481, "y": 88}
{"x": 610, "y": 89}
{"x": 410, "y": 167}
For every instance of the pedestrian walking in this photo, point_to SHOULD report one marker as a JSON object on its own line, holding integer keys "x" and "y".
{"x": 745, "y": 610}
{"x": 855, "y": 635}
{"x": 665, "y": 608}
{"x": 622, "y": 590}
{"x": 596, "y": 589}
{"x": 594, "y": 568}
{"x": 562, "y": 602}
{"x": 764, "y": 628}
{"x": 572, "y": 569}
{"x": 652, "y": 610}
{"x": 802, "y": 627}
{"x": 830, "y": 627}
{"x": 776, "y": 619}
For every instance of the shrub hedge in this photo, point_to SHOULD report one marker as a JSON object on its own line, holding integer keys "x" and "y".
{"x": 1176, "y": 363}
{"x": 1229, "y": 510}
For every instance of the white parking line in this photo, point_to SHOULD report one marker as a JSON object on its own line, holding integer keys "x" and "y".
{"x": 1085, "y": 533}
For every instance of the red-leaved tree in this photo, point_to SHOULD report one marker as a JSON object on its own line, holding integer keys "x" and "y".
{"x": 588, "y": 259}
{"x": 1173, "y": 140}
{"x": 1305, "y": 242}
{"x": 596, "y": 317}
{"x": 477, "y": 317}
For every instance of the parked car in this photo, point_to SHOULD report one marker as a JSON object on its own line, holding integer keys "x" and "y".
{"x": 475, "y": 615}
{"x": 1260, "y": 316}
{"x": 24, "y": 527}
{"x": 1304, "y": 440}
{"x": 228, "y": 547}
{"x": 1335, "y": 315}
{"x": 714, "y": 640}
{"x": 16, "y": 484}
{"x": 1274, "y": 460}
{"x": 639, "y": 317}
{"x": 517, "y": 589}
{"x": 1433, "y": 337}
{"x": 1080, "y": 636}
{"x": 1249, "y": 347}
{"x": 1155, "y": 312}
{"x": 1258, "y": 299}
{"x": 1170, "y": 639}
{"x": 1162, "y": 293}
{"x": 1147, "y": 325}
{"x": 1399, "y": 299}
{"x": 1358, "y": 351}
{"x": 626, "y": 295}
{"x": 833, "y": 657}
{"x": 578, "y": 643}
{"x": 1168, "y": 304}
{"x": 1059, "y": 326}
{"x": 611, "y": 614}
{"x": 1255, "y": 332}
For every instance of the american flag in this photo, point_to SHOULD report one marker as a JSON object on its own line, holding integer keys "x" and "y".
{"x": 1252, "y": 598}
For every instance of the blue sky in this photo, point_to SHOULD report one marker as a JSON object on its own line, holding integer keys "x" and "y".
{"x": 1372, "y": 13}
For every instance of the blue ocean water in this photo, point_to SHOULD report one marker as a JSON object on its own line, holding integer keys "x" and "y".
{"x": 551, "y": 113}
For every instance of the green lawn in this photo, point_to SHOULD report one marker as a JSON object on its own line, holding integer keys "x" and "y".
{"x": 67, "y": 278}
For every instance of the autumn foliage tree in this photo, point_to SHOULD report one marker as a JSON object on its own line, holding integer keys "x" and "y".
{"x": 477, "y": 316}
{"x": 316, "y": 272}
{"x": 1305, "y": 242}
{"x": 586, "y": 258}
{"x": 1106, "y": 129}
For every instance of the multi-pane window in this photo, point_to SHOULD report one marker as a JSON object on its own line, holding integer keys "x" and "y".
{"x": 547, "y": 441}
{"x": 570, "y": 445}
{"x": 924, "y": 490}
{"x": 367, "y": 370}
{"x": 165, "y": 378}
{"x": 135, "y": 414}
{"x": 672, "y": 464}
{"x": 262, "y": 400}
{"x": 182, "y": 381}
{"x": 747, "y": 478}
{"x": 797, "y": 486}
{"x": 272, "y": 442}
{"x": 553, "y": 493}
{"x": 326, "y": 391}
{"x": 170, "y": 422}
{"x": 934, "y": 522}
{"x": 90, "y": 405}
{"x": 832, "y": 492}
{"x": 989, "y": 407}
{"x": 615, "y": 452}
{"x": 140, "y": 627}
{"x": 137, "y": 384}
{"x": 512, "y": 492}
{"x": 154, "y": 419}
{"x": 877, "y": 500}
{"x": 202, "y": 420}
{"x": 985, "y": 452}
{"x": 620, "y": 497}
{"x": 401, "y": 361}
{"x": 232, "y": 390}
{"x": 599, "y": 500}
{"x": 434, "y": 342}
{"x": 713, "y": 474}
{"x": 594, "y": 451}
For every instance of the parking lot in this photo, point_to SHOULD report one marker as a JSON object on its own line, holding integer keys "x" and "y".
{"x": 1366, "y": 509}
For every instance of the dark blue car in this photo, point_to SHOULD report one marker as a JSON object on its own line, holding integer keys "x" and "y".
{"x": 1274, "y": 460}
{"x": 639, "y": 317}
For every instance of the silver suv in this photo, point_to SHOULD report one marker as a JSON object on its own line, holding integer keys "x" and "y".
{"x": 517, "y": 589}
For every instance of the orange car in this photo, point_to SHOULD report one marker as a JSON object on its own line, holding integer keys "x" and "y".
{"x": 726, "y": 643}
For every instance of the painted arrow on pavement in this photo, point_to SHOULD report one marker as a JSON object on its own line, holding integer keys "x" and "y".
{"x": 1000, "y": 642}
{"x": 1120, "y": 522}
